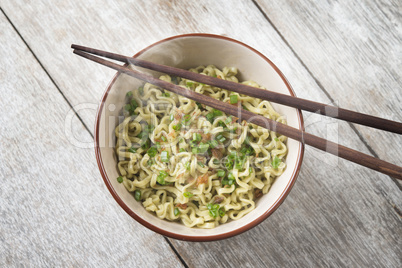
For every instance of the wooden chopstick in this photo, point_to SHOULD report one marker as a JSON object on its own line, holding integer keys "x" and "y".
{"x": 303, "y": 104}
{"x": 290, "y": 132}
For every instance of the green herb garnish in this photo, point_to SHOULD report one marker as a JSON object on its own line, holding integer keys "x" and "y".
{"x": 233, "y": 99}
{"x": 214, "y": 210}
{"x": 275, "y": 162}
{"x": 176, "y": 211}
{"x": 187, "y": 165}
{"x": 177, "y": 127}
{"x": 120, "y": 179}
{"x": 196, "y": 137}
{"x": 152, "y": 151}
{"x": 137, "y": 195}
{"x": 187, "y": 194}
{"x": 141, "y": 90}
{"x": 165, "y": 156}
{"x": 221, "y": 173}
{"x": 161, "y": 177}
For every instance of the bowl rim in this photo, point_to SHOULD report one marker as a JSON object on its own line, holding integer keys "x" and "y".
{"x": 206, "y": 238}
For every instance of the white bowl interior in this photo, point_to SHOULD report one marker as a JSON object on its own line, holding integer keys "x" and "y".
{"x": 186, "y": 52}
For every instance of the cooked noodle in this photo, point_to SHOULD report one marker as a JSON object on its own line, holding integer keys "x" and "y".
{"x": 193, "y": 164}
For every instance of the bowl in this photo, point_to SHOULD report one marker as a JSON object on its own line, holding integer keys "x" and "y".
{"x": 186, "y": 51}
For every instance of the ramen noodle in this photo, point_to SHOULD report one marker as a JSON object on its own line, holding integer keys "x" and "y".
{"x": 187, "y": 162}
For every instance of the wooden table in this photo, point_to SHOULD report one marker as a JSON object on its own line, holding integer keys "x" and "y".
{"x": 55, "y": 208}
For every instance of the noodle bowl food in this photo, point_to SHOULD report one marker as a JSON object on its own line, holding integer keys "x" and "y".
{"x": 190, "y": 163}
{"x": 183, "y": 169}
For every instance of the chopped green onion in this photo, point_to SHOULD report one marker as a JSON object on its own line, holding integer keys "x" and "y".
{"x": 145, "y": 145}
{"x": 165, "y": 156}
{"x": 137, "y": 195}
{"x": 177, "y": 127}
{"x": 233, "y": 99}
{"x": 141, "y": 90}
{"x": 195, "y": 150}
{"x": 187, "y": 117}
{"x": 196, "y": 136}
{"x": 143, "y": 134}
{"x": 221, "y": 173}
{"x": 210, "y": 117}
{"x": 166, "y": 94}
{"x": 213, "y": 143}
{"x": 182, "y": 150}
{"x": 233, "y": 154}
{"x": 220, "y": 138}
{"x": 132, "y": 150}
{"x": 275, "y": 162}
{"x": 127, "y": 107}
{"x": 203, "y": 147}
{"x": 187, "y": 165}
{"x": 120, "y": 179}
{"x": 229, "y": 164}
{"x": 247, "y": 140}
{"x": 276, "y": 139}
{"x": 217, "y": 112}
{"x": 171, "y": 117}
{"x": 229, "y": 120}
{"x": 187, "y": 194}
{"x": 199, "y": 105}
{"x": 221, "y": 211}
{"x": 150, "y": 162}
{"x": 152, "y": 151}
{"x": 189, "y": 84}
{"x": 134, "y": 105}
{"x": 230, "y": 176}
{"x": 158, "y": 145}
{"x": 129, "y": 94}
{"x": 200, "y": 164}
{"x": 221, "y": 124}
{"x": 161, "y": 177}
{"x": 250, "y": 170}
{"x": 216, "y": 162}
{"x": 163, "y": 138}
{"x": 213, "y": 209}
{"x": 176, "y": 211}
{"x": 163, "y": 173}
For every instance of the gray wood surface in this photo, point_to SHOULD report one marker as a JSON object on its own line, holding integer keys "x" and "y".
{"x": 55, "y": 209}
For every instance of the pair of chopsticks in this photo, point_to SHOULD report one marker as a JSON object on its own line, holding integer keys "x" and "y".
{"x": 290, "y": 132}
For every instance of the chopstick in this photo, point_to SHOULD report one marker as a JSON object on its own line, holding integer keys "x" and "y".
{"x": 303, "y": 104}
{"x": 290, "y": 132}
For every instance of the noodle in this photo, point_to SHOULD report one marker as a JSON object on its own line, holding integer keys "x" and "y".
{"x": 193, "y": 164}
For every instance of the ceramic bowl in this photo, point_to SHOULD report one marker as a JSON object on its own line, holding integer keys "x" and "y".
{"x": 186, "y": 51}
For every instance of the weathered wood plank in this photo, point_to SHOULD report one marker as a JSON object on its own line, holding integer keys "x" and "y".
{"x": 354, "y": 50}
{"x": 337, "y": 214}
{"x": 55, "y": 211}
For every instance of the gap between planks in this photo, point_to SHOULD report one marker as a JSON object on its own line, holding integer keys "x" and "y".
{"x": 325, "y": 92}
{"x": 78, "y": 116}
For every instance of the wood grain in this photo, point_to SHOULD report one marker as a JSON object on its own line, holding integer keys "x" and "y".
{"x": 55, "y": 211}
{"x": 338, "y": 214}
{"x": 354, "y": 51}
